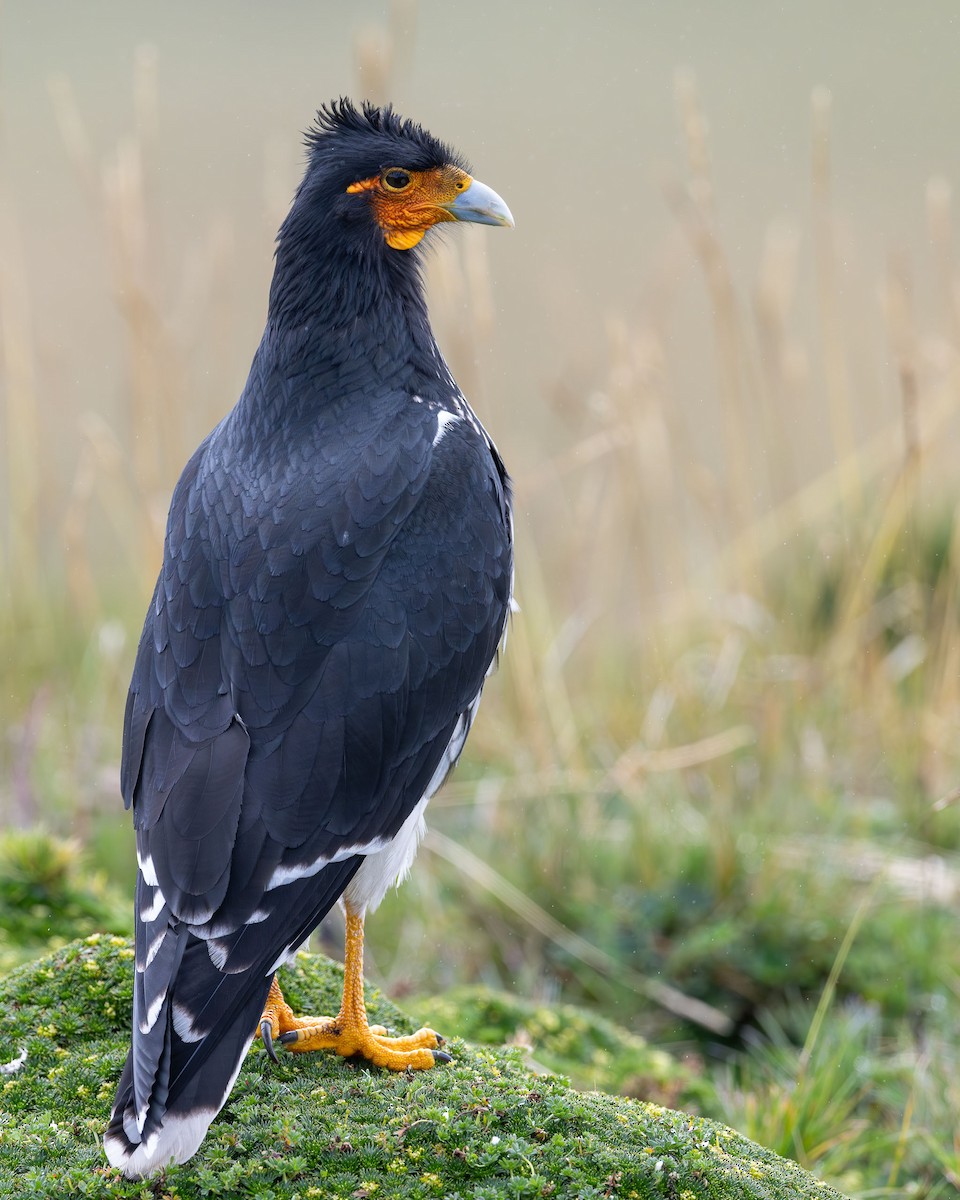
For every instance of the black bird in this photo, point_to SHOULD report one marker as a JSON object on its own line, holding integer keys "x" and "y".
{"x": 336, "y": 581}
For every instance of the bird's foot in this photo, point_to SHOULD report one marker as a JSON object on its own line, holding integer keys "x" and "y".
{"x": 416, "y": 1052}
{"x": 347, "y": 1034}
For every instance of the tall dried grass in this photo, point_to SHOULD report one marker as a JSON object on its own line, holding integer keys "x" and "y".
{"x": 628, "y": 537}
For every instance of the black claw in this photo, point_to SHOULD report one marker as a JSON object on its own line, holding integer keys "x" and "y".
{"x": 266, "y": 1032}
{"x": 441, "y": 1056}
{"x": 440, "y": 1040}
{"x": 288, "y": 1037}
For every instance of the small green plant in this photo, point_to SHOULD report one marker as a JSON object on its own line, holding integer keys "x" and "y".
{"x": 49, "y": 895}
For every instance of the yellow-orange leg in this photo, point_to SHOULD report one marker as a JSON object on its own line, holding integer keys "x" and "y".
{"x": 348, "y": 1032}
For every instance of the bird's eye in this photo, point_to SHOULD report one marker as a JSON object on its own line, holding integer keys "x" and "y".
{"x": 395, "y": 180}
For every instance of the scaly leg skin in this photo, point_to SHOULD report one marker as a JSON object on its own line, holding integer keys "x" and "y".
{"x": 348, "y": 1032}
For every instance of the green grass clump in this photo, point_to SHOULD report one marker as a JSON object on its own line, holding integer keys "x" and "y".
{"x": 317, "y": 1126}
{"x": 49, "y": 895}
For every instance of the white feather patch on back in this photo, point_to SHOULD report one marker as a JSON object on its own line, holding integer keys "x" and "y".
{"x": 444, "y": 419}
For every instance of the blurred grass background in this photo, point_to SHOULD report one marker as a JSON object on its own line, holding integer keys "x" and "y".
{"x": 714, "y": 791}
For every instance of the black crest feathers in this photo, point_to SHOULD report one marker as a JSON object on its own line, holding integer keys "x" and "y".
{"x": 341, "y": 124}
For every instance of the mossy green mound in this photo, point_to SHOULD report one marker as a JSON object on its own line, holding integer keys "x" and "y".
{"x": 316, "y": 1126}
{"x": 595, "y": 1054}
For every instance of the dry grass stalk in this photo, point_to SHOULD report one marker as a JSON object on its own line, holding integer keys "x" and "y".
{"x": 158, "y": 396}
{"x": 384, "y": 53}
{"x": 944, "y": 690}
{"x": 24, "y": 455}
{"x": 694, "y": 207}
{"x": 641, "y": 760}
{"x": 939, "y": 199}
{"x": 836, "y": 373}
{"x": 783, "y": 367}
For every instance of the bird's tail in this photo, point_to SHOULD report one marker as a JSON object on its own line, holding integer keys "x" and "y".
{"x": 191, "y": 1031}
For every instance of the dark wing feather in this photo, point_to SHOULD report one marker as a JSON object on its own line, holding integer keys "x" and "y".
{"x": 325, "y": 616}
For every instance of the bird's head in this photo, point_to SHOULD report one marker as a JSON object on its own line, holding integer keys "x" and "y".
{"x": 376, "y": 173}
{"x": 374, "y": 185}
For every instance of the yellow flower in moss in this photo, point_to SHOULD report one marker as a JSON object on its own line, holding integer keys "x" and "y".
{"x": 431, "y": 1180}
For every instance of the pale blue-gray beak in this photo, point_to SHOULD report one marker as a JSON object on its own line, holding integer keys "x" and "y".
{"x": 479, "y": 204}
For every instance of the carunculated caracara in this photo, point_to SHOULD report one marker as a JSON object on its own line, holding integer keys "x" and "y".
{"x": 336, "y": 581}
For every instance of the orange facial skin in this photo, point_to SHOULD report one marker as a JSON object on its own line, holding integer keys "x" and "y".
{"x": 406, "y": 203}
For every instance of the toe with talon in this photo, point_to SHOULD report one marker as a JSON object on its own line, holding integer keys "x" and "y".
{"x": 266, "y": 1034}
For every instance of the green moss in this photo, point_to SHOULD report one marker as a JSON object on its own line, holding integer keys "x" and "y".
{"x": 317, "y": 1126}
{"x": 594, "y": 1053}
